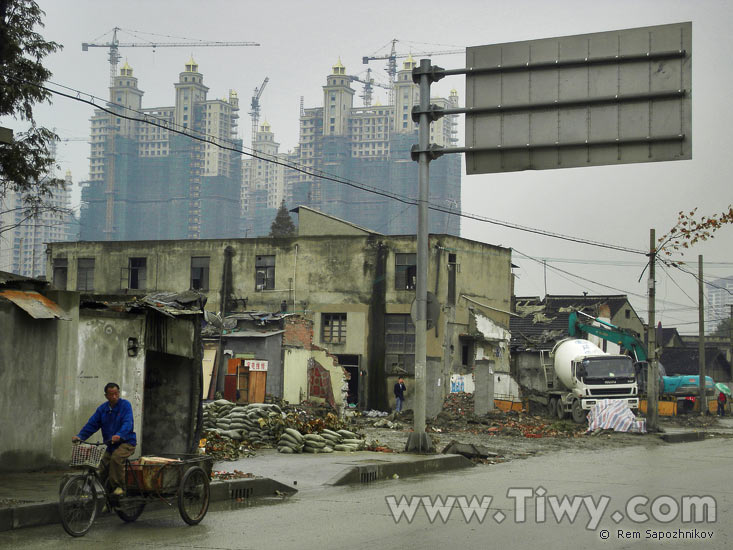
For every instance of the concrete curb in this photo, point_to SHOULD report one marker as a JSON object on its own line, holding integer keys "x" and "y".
{"x": 378, "y": 471}
{"x": 34, "y": 515}
{"x": 683, "y": 437}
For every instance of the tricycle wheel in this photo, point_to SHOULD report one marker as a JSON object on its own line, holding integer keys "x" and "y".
{"x": 193, "y": 495}
{"x": 130, "y": 508}
{"x": 78, "y": 505}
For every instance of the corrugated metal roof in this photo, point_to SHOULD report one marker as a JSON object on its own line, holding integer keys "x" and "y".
{"x": 35, "y": 304}
{"x": 251, "y": 334}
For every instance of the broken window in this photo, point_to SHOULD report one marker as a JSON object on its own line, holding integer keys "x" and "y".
{"x": 405, "y": 271}
{"x": 85, "y": 274}
{"x": 200, "y": 273}
{"x": 265, "y": 273}
{"x": 60, "y": 272}
{"x": 399, "y": 343}
{"x": 137, "y": 272}
{"x": 333, "y": 328}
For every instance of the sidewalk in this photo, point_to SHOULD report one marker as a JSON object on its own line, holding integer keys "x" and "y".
{"x": 31, "y": 499}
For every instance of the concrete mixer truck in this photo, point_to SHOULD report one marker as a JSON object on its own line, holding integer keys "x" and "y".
{"x": 584, "y": 374}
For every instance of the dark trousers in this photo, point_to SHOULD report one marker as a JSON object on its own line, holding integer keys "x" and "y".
{"x": 721, "y": 409}
{"x": 113, "y": 465}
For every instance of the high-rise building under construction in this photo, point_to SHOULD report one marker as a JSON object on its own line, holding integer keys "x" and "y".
{"x": 160, "y": 172}
{"x": 370, "y": 146}
{"x": 343, "y": 148}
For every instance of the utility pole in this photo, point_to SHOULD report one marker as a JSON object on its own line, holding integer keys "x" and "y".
{"x": 701, "y": 337}
{"x": 652, "y": 393}
{"x": 730, "y": 335}
{"x": 418, "y": 441}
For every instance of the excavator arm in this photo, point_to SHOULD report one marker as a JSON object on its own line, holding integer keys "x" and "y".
{"x": 610, "y": 333}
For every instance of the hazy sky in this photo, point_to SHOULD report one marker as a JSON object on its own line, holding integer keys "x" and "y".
{"x": 300, "y": 41}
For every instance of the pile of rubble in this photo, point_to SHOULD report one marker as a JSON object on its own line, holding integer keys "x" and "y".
{"x": 458, "y": 415}
{"x": 222, "y": 447}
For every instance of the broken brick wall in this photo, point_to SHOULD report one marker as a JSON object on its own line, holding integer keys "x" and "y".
{"x": 310, "y": 371}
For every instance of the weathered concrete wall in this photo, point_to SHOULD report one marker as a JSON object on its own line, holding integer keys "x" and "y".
{"x": 295, "y": 372}
{"x": 103, "y": 358}
{"x": 326, "y": 274}
{"x": 67, "y": 357}
{"x": 483, "y": 397}
{"x": 527, "y": 370}
{"x": 27, "y": 349}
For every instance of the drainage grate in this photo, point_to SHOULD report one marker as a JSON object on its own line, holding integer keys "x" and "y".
{"x": 244, "y": 492}
{"x": 367, "y": 475}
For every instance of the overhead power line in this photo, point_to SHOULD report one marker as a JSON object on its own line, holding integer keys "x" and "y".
{"x": 217, "y": 142}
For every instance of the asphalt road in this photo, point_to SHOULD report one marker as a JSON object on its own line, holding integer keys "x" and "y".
{"x": 659, "y": 479}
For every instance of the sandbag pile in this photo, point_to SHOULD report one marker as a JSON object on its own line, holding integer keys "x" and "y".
{"x": 256, "y": 423}
{"x": 328, "y": 441}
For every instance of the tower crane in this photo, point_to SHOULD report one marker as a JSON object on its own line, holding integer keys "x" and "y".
{"x": 369, "y": 84}
{"x": 255, "y": 112}
{"x": 393, "y": 56}
{"x": 114, "y": 46}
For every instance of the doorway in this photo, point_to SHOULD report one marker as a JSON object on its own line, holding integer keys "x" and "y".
{"x": 350, "y": 363}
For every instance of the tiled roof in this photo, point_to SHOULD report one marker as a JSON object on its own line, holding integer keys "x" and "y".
{"x": 541, "y": 323}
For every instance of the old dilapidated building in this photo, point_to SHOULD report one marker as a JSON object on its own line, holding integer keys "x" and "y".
{"x": 59, "y": 349}
{"x": 356, "y": 286}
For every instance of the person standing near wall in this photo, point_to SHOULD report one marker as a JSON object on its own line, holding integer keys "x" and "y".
{"x": 399, "y": 394}
{"x": 116, "y": 422}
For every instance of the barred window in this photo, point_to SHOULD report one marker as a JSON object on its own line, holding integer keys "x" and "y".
{"x": 333, "y": 328}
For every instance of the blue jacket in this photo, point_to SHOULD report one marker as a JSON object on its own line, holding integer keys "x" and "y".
{"x": 117, "y": 421}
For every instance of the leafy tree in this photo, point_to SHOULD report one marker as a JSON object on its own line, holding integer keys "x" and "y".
{"x": 26, "y": 162}
{"x": 282, "y": 225}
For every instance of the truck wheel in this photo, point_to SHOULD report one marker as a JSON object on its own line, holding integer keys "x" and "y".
{"x": 560, "y": 410}
{"x": 579, "y": 414}
{"x": 552, "y": 407}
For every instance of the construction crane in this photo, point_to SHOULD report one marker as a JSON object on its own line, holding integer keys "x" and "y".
{"x": 369, "y": 84}
{"x": 255, "y": 112}
{"x": 114, "y": 45}
{"x": 393, "y": 56}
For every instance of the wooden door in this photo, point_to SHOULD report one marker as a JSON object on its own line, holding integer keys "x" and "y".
{"x": 257, "y": 382}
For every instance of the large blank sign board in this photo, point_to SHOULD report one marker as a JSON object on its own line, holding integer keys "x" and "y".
{"x": 593, "y": 99}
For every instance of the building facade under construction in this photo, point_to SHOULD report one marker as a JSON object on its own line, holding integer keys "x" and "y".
{"x": 163, "y": 172}
{"x": 355, "y": 160}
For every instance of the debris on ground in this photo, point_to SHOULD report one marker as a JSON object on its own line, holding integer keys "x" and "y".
{"x": 236, "y": 474}
{"x": 469, "y": 450}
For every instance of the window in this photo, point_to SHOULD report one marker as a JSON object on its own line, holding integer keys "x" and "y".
{"x": 60, "y": 272}
{"x": 265, "y": 273}
{"x": 399, "y": 343}
{"x": 85, "y": 274}
{"x": 200, "y": 273}
{"x": 405, "y": 271}
{"x": 627, "y": 312}
{"x": 137, "y": 269}
{"x": 333, "y": 328}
